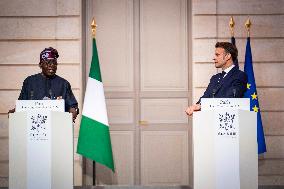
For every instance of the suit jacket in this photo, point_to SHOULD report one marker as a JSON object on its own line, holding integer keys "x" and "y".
{"x": 233, "y": 85}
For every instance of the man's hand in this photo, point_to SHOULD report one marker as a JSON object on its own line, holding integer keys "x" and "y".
{"x": 74, "y": 113}
{"x": 189, "y": 111}
{"x": 11, "y": 111}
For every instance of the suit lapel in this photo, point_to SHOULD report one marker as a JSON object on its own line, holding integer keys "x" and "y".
{"x": 219, "y": 85}
{"x": 231, "y": 72}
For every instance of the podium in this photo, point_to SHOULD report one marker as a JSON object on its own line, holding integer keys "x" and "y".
{"x": 40, "y": 146}
{"x": 225, "y": 145}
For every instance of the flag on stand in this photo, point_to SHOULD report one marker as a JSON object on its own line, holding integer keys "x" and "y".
{"x": 94, "y": 137}
{"x": 233, "y": 41}
{"x": 252, "y": 94}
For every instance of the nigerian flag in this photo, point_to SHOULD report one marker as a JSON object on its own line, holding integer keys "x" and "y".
{"x": 94, "y": 137}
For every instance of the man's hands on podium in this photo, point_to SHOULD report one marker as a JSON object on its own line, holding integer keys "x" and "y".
{"x": 193, "y": 108}
{"x": 11, "y": 111}
{"x": 74, "y": 113}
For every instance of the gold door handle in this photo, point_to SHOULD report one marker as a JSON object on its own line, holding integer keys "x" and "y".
{"x": 143, "y": 123}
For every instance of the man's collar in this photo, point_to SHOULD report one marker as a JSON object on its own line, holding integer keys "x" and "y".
{"x": 229, "y": 68}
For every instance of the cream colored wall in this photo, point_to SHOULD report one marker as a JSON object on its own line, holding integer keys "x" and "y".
{"x": 210, "y": 24}
{"x": 26, "y": 28}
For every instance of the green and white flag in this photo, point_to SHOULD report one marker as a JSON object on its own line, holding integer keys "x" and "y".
{"x": 94, "y": 137}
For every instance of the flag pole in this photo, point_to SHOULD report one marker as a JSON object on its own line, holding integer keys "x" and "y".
{"x": 232, "y": 25}
{"x": 248, "y": 25}
{"x": 94, "y": 30}
{"x": 233, "y": 40}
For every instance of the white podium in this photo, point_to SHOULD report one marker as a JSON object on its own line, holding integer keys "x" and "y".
{"x": 225, "y": 145}
{"x": 40, "y": 146}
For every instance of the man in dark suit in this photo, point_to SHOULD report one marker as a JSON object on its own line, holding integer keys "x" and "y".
{"x": 47, "y": 85}
{"x": 231, "y": 83}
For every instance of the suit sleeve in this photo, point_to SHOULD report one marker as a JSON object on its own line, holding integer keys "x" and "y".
{"x": 70, "y": 100}
{"x": 208, "y": 91}
{"x": 24, "y": 92}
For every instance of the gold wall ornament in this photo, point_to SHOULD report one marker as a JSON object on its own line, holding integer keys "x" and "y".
{"x": 94, "y": 27}
{"x": 248, "y": 25}
{"x": 232, "y": 25}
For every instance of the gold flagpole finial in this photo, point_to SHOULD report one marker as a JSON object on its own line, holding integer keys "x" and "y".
{"x": 248, "y": 25}
{"x": 94, "y": 27}
{"x": 232, "y": 25}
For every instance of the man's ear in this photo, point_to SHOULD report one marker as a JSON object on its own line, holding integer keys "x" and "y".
{"x": 228, "y": 56}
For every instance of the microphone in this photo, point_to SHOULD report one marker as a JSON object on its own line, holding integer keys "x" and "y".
{"x": 50, "y": 94}
{"x": 31, "y": 95}
{"x": 213, "y": 93}
{"x": 234, "y": 92}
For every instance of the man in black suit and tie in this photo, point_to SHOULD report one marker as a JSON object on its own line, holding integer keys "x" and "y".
{"x": 231, "y": 83}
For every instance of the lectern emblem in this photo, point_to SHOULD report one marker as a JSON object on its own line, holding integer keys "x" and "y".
{"x": 38, "y": 130}
{"x": 227, "y": 124}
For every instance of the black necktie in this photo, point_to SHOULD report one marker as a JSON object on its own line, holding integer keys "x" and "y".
{"x": 223, "y": 74}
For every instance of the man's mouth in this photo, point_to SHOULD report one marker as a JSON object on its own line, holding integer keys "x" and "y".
{"x": 51, "y": 70}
